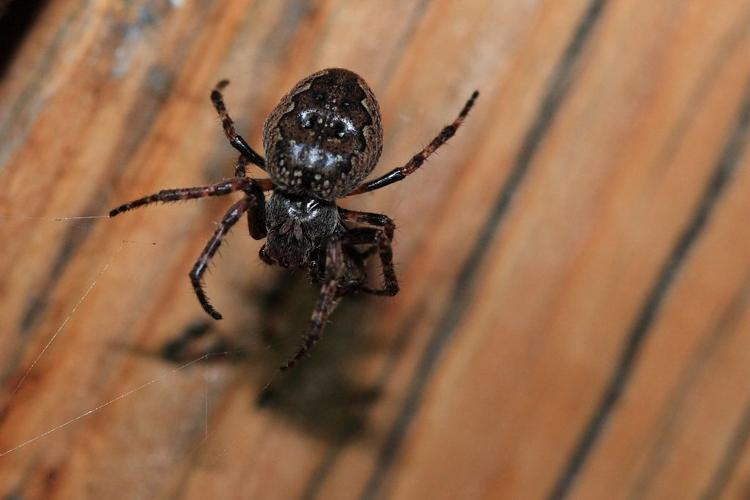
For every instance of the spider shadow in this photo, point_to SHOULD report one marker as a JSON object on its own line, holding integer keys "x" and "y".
{"x": 322, "y": 394}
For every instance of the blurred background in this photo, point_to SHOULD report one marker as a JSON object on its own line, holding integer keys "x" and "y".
{"x": 574, "y": 315}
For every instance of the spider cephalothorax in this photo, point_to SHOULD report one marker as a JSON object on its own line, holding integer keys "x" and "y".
{"x": 297, "y": 226}
{"x": 322, "y": 140}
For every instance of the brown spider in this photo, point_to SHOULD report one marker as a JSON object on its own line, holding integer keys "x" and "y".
{"x": 322, "y": 140}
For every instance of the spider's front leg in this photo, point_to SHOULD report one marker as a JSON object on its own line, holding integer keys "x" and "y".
{"x": 254, "y": 204}
{"x": 241, "y": 166}
{"x": 170, "y": 195}
{"x": 379, "y": 237}
{"x": 327, "y": 301}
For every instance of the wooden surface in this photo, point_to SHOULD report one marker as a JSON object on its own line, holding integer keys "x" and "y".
{"x": 574, "y": 320}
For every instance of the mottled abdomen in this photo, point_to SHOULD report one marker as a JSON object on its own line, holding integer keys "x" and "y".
{"x": 325, "y": 136}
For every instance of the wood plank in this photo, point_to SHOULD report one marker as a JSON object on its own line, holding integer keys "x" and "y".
{"x": 595, "y": 199}
{"x": 569, "y": 245}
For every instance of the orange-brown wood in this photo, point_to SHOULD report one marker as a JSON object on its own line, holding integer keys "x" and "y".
{"x": 574, "y": 315}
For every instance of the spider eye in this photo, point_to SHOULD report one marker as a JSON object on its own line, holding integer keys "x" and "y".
{"x": 319, "y": 96}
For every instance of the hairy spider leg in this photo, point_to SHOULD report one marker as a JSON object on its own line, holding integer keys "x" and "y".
{"x": 251, "y": 203}
{"x": 235, "y": 139}
{"x": 219, "y": 189}
{"x": 400, "y": 173}
{"x": 256, "y": 215}
{"x": 380, "y": 238}
{"x": 240, "y": 169}
{"x": 327, "y": 301}
{"x": 377, "y": 241}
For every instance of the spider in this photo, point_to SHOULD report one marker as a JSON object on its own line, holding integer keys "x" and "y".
{"x": 322, "y": 140}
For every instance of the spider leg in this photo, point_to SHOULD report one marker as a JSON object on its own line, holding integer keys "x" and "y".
{"x": 369, "y": 218}
{"x": 240, "y": 168}
{"x": 196, "y": 274}
{"x": 256, "y": 214}
{"x": 327, "y": 302}
{"x": 380, "y": 237}
{"x": 219, "y": 189}
{"x": 417, "y": 160}
{"x": 235, "y": 139}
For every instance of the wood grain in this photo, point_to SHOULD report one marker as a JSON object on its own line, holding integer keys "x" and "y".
{"x": 574, "y": 319}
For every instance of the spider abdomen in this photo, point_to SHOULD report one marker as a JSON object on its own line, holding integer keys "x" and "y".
{"x": 325, "y": 136}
